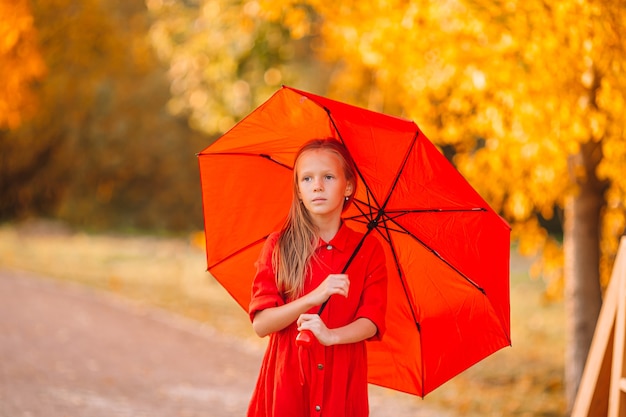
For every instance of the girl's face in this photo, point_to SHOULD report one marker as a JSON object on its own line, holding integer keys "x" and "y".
{"x": 322, "y": 184}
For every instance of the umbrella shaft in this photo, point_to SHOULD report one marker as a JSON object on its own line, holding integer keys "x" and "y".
{"x": 322, "y": 307}
{"x": 345, "y": 268}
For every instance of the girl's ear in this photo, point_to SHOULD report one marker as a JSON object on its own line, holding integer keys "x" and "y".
{"x": 349, "y": 188}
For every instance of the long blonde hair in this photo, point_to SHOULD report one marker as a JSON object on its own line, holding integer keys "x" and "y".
{"x": 299, "y": 236}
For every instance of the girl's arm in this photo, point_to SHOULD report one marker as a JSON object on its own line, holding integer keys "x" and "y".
{"x": 273, "y": 319}
{"x": 360, "y": 329}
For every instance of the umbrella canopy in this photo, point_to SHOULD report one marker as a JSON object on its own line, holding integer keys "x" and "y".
{"x": 447, "y": 251}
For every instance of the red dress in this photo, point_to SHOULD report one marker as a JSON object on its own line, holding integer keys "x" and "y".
{"x": 335, "y": 377}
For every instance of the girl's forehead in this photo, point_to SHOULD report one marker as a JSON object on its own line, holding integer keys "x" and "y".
{"x": 318, "y": 157}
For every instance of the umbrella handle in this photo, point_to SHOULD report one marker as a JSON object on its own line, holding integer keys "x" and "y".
{"x": 305, "y": 338}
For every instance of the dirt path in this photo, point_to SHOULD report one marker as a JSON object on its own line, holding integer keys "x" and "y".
{"x": 71, "y": 351}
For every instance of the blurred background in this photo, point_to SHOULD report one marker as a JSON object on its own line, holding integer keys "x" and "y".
{"x": 104, "y": 104}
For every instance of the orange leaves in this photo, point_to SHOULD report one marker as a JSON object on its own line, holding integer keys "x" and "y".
{"x": 20, "y": 62}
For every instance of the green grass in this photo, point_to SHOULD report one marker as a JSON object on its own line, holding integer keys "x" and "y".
{"x": 523, "y": 380}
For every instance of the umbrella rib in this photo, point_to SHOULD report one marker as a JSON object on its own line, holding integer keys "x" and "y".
{"x": 399, "y": 213}
{"x": 262, "y": 155}
{"x": 365, "y": 219}
{"x": 384, "y": 218}
{"x": 418, "y": 326}
{"x": 237, "y": 252}
{"x": 332, "y": 121}
{"x": 369, "y": 220}
{"x": 368, "y": 216}
{"x": 404, "y": 161}
{"x": 434, "y": 252}
{"x": 389, "y": 239}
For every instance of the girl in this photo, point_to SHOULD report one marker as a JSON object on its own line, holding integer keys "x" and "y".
{"x": 297, "y": 271}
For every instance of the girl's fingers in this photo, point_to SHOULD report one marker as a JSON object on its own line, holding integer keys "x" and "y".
{"x": 343, "y": 287}
{"x": 339, "y": 284}
{"x": 314, "y": 324}
{"x": 306, "y": 318}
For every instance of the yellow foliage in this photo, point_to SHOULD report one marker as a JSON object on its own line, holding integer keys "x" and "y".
{"x": 225, "y": 57}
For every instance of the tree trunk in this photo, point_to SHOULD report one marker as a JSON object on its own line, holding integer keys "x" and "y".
{"x": 583, "y": 297}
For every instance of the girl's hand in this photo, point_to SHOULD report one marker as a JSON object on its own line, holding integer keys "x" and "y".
{"x": 315, "y": 325}
{"x": 333, "y": 284}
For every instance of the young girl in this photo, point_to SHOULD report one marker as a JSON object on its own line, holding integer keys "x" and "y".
{"x": 298, "y": 270}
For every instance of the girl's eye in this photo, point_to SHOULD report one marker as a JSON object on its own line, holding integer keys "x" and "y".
{"x": 329, "y": 177}
{"x": 306, "y": 179}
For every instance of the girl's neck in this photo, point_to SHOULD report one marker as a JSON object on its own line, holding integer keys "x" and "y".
{"x": 327, "y": 228}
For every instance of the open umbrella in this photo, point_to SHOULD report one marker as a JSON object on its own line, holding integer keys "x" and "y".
{"x": 447, "y": 251}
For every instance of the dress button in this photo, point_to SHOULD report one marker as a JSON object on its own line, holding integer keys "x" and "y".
{"x": 318, "y": 408}
{"x": 320, "y": 366}
{"x": 329, "y": 247}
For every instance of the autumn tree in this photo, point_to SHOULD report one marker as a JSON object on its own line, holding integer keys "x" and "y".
{"x": 101, "y": 151}
{"x": 75, "y": 45}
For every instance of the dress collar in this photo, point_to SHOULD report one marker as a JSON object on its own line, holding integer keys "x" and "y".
{"x": 340, "y": 240}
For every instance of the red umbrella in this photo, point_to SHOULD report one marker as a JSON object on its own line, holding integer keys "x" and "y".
{"x": 447, "y": 250}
